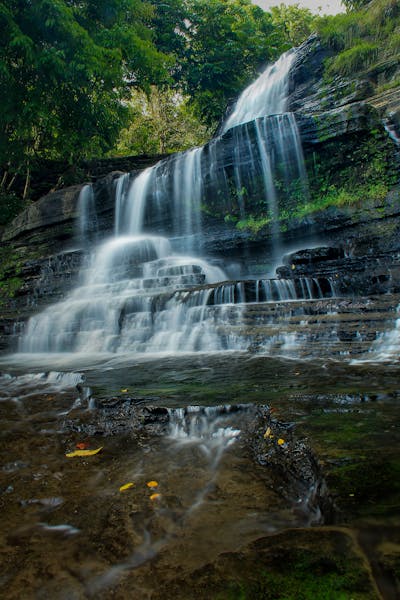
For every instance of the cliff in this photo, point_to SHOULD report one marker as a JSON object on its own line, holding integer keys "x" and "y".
{"x": 349, "y": 129}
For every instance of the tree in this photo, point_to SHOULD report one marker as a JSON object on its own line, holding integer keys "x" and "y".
{"x": 355, "y": 4}
{"x": 65, "y": 69}
{"x": 220, "y": 44}
{"x": 295, "y": 23}
{"x": 161, "y": 121}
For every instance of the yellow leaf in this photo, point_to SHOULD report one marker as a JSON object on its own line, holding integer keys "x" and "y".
{"x": 83, "y": 452}
{"x": 155, "y": 496}
{"x": 267, "y": 433}
{"x": 281, "y": 441}
{"x": 152, "y": 484}
{"x": 127, "y": 486}
{"x": 124, "y": 390}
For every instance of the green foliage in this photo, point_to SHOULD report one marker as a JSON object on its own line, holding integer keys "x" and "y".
{"x": 161, "y": 121}
{"x": 355, "y": 4}
{"x": 65, "y": 69}
{"x": 361, "y": 172}
{"x": 10, "y": 268}
{"x": 9, "y": 288}
{"x": 341, "y": 196}
{"x": 295, "y": 24}
{"x": 219, "y": 45}
{"x": 11, "y": 204}
{"x": 354, "y": 59}
{"x": 253, "y": 224}
{"x": 363, "y": 36}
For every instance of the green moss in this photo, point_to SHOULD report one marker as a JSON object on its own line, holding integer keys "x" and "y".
{"x": 9, "y": 288}
{"x": 305, "y": 575}
{"x": 230, "y": 219}
{"x": 390, "y": 85}
{"x": 11, "y": 263}
{"x": 358, "y": 172}
{"x": 340, "y": 197}
{"x": 253, "y": 224}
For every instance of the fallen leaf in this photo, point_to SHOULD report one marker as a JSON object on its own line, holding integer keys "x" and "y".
{"x": 155, "y": 496}
{"x": 83, "y": 452}
{"x": 127, "y": 486}
{"x": 152, "y": 484}
{"x": 281, "y": 442}
{"x": 124, "y": 390}
{"x": 267, "y": 433}
{"x": 82, "y": 445}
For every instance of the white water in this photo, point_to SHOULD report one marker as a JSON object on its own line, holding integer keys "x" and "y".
{"x": 137, "y": 294}
{"x": 87, "y": 211}
{"x": 262, "y": 106}
{"x": 20, "y": 387}
{"x": 266, "y": 96}
{"x": 386, "y": 346}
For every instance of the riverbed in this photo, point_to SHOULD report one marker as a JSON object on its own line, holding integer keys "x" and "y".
{"x": 68, "y": 531}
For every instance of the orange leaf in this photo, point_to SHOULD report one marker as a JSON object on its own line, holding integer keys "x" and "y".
{"x": 82, "y": 445}
{"x": 152, "y": 484}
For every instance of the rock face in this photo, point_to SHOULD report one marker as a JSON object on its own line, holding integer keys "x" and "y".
{"x": 349, "y": 136}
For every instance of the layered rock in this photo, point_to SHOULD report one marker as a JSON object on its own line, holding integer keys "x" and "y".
{"x": 344, "y": 127}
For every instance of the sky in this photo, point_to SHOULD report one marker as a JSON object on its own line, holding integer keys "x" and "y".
{"x": 329, "y": 7}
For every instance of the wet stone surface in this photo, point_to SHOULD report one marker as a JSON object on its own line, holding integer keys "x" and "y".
{"x": 239, "y": 485}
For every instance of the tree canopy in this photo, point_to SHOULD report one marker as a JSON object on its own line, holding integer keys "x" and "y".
{"x": 65, "y": 68}
{"x": 74, "y": 74}
{"x": 160, "y": 121}
{"x": 293, "y": 23}
{"x": 218, "y": 46}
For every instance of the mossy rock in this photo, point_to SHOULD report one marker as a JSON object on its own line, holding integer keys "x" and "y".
{"x": 301, "y": 564}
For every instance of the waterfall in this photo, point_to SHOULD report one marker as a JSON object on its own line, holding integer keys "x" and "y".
{"x": 263, "y": 106}
{"x": 148, "y": 288}
{"x": 386, "y": 345}
{"x": 87, "y": 220}
{"x": 266, "y": 96}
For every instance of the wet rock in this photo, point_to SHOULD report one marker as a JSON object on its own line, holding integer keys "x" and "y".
{"x": 293, "y": 464}
{"x": 349, "y": 275}
{"x": 313, "y": 255}
{"x": 272, "y": 443}
{"x": 285, "y": 565}
{"x": 116, "y": 416}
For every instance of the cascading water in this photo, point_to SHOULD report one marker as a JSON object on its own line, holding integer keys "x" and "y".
{"x": 87, "y": 212}
{"x": 266, "y": 96}
{"x": 146, "y": 289}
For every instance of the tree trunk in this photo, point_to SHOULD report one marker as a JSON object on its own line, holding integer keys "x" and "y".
{"x": 27, "y": 183}
{"x": 13, "y": 178}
